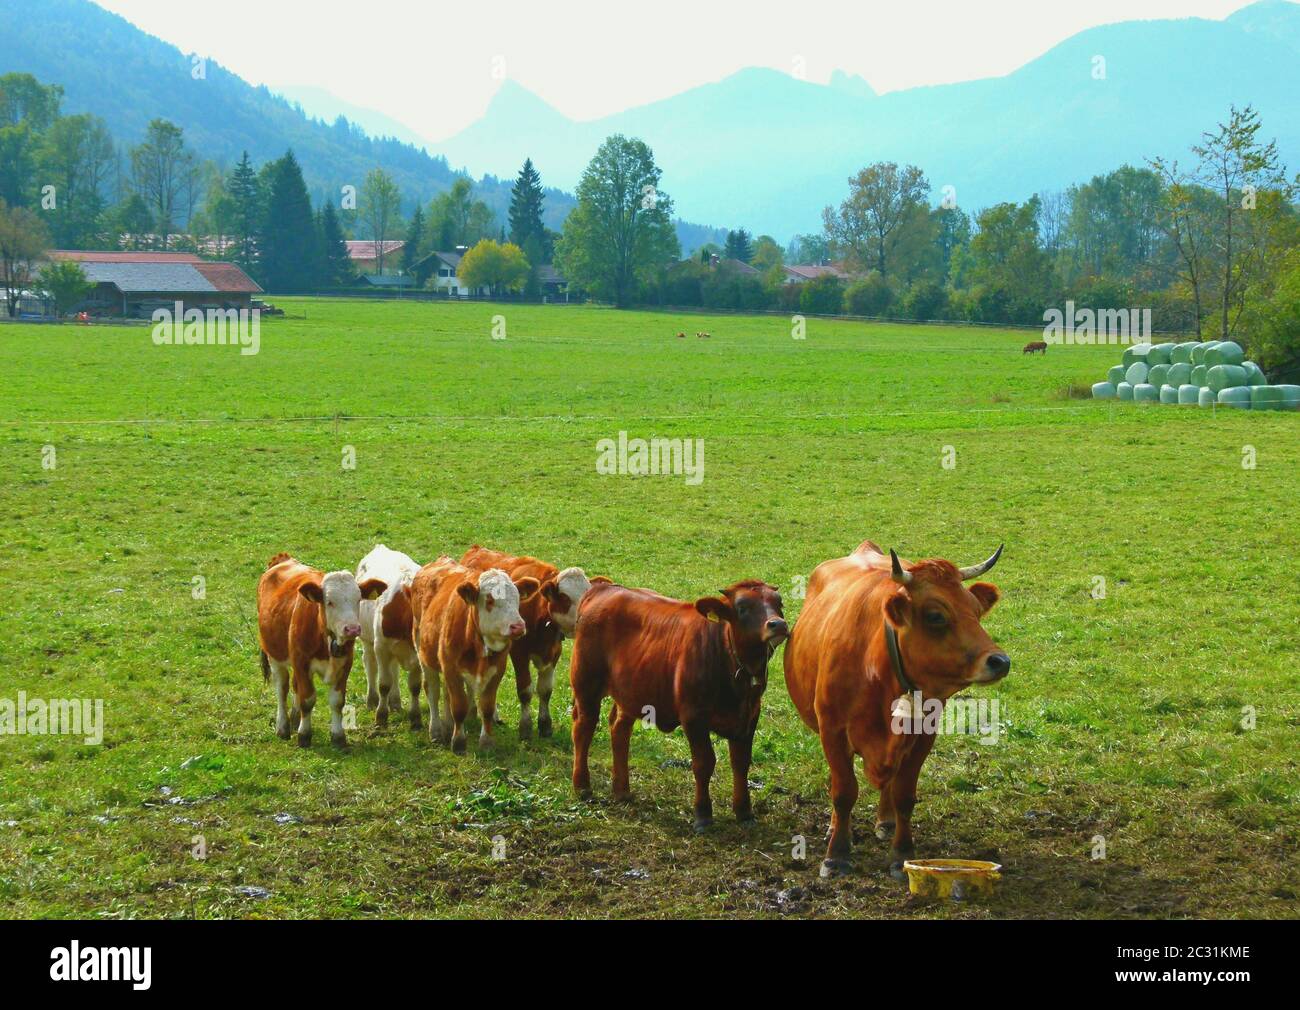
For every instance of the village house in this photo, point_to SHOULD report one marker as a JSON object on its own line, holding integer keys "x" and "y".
{"x": 133, "y": 284}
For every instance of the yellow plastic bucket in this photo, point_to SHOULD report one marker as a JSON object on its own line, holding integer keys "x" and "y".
{"x": 958, "y": 879}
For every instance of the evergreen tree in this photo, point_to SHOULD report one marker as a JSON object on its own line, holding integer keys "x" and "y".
{"x": 526, "y": 210}
{"x": 739, "y": 246}
{"x": 411, "y": 251}
{"x": 336, "y": 265}
{"x": 245, "y": 195}
{"x": 287, "y": 242}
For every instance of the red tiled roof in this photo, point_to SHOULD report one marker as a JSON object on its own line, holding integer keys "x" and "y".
{"x": 92, "y": 256}
{"x": 227, "y": 277}
{"x": 366, "y": 249}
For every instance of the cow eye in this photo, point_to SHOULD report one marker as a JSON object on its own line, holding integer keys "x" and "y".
{"x": 935, "y": 619}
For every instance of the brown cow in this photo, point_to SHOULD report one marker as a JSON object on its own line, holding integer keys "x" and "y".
{"x": 463, "y": 623}
{"x": 308, "y": 621}
{"x": 872, "y": 633}
{"x": 1039, "y": 346}
{"x": 700, "y": 665}
{"x": 550, "y": 615}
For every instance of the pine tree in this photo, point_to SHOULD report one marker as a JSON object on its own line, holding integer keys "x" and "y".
{"x": 336, "y": 265}
{"x": 245, "y": 193}
{"x": 413, "y": 249}
{"x": 526, "y": 210}
{"x": 287, "y": 242}
{"x": 739, "y": 246}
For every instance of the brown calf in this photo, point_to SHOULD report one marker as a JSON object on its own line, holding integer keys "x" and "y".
{"x": 308, "y": 622}
{"x": 550, "y": 615}
{"x": 871, "y": 634}
{"x": 463, "y": 623}
{"x": 1039, "y": 346}
{"x": 700, "y": 665}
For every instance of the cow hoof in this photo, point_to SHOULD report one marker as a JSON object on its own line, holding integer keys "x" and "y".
{"x": 623, "y": 797}
{"x": 543, "y": 727}
{"x": 702, "y": 824}
{"x": 458, "y": 745}
{"x": 304, "y": 740}
{"x": 525, "y": 730}
{"x": 885, "y": 830}
{"x": 282, "y": 731}
{"x": 486, "y": 743}
{"x": 834, "y": 868}
{"x": 583, "y": 794}
{"x": 339, "y": 740}
{"x": 381, "y": 718}
{"x": 372, "y": 701}
{"x": 745, "y": 818}
{"x": 896, "y": 870}
{"x": 415, "y": 723}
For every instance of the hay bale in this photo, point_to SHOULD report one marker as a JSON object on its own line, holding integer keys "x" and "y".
{"x": 1124, "y": 391}
{"x": 1188, "y": 395}
{"x": 1103, "y": 390}
{"x": 1168, "y": 393}
{"x": 1225, "y": 352}
{"x": 1235, "y": 396}
{"x": 1198, "y": 375}
{"x": 1159, "y": 354}
{"x": 1179, "y": 373}
{"x": 1134, "y": 352}
{"x": 1206, "y": 397}
{"x": 1144, "y": 392}
{"x": 1157, "y": 375}
{"x": 1266, "y": 398}
{"x": 1182, "y": 353}
{"x": 1116, "y": 374}
{"x": 1290, "y": 397}
{"x": 1221, "y": 377}
{"x": 1254, "y": 374}
{"x": 1137, "y": 372}
{"x": 1199, "y": 351}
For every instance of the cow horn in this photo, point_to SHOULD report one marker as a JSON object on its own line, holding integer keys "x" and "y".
{"x": 899, "y": 576}
{"x": 983, "y": 566}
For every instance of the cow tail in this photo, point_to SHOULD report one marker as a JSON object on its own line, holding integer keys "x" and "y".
{"x": 266, "y": 667}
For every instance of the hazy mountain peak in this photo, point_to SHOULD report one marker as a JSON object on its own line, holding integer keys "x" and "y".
{"x": 852, "y": 84}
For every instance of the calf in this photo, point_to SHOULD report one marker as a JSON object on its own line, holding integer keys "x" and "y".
{"x": 550, "y": 615}
{"x": 873, "y": 634}
{"x": 308, "y": 622}
{"x": 463, "y": 623}
{"x": 700, "y": 665}
{"x": 386, "y": 632}
{"x": 1039, "y": 346}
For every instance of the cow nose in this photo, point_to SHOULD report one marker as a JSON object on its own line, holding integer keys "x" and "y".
{"x": 351, "y": 630}
{"x": 776, "y": 626}
{"x": 517, "y": 629}
{"x": 999, "y": 664}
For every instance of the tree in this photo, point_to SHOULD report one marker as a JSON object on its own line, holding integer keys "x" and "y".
{"x": 495, "y": 266}
{"x": 882, "y": 198}
{"x": 23, "y": 240}
{"x": 526, "y": 211}
{"x": 1184, "y": 220}
{"x": 246, "y": 196}
{"x": 131, "y": 219}
{"x": 164, "y": 173}
{"x": 66, "y": 283}
{"x": 335, "y": 263}
{"x": 27, "y": 108}
{"x": 412, "y": 248}
{"x": 381, "y": 207}
{"x": 739, "y": 246}
{"x": 767, "y": 254}
{"x": 621, "y": 230}
{"x": 75, "y": 155}
{"x": 287, "y": 238}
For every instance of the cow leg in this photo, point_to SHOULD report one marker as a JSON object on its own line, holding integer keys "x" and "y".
{"x": 457, "y": 706}
{"x": 844, "y": 793}
{"x": 524, "y": 689}
{"x": 413, "y": 686}
{"x": 545, "y": 684}
{"x": 304, "y": 688}
{"x": 741, "y": 752}
{"x": 280, "y": 684}
{"x": 395, "y": 693}
{"x": 902, "y": 792}
{"x": 337, "y": 695}
{"x": 433, "y": 694}
{"x": 885, "y": 815}
{"x": 703, "y": 761}
{"x": 371, "y": 662}
{"x": 487, "y": 710}
{"x": 621, "y": 724}
{"x": 385, "y": 680}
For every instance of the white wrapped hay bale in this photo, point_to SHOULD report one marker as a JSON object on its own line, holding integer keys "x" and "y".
{"x": 1137, "y": 373}
{"x": 1168, "y": 393}
{"x": 1182, "y": 353}
{"x": 1221, "y": 377}
{"x": 1225, "y": 352}
{"x": 1206, "y": 397}
{"x": 1103, "y": 390}
{"x": 1254, "y": 374}
{"x": 1266, "y": 398}
{"x": 1115, "y": 375}
{"x": 1235, "y": 396}
{"x": 1134, "y": 352}
{"x": 1157, "y": 375}
{"x": 1290, "y": 397}
{"x": 1189, "y": 395}
{"x": 1144, "y": 392}
{"x": 1124, "y": 391}
{"x": 1160, "y": 354}
{"x": 1179, "y": 373}
{"x": 1198, "y": 375}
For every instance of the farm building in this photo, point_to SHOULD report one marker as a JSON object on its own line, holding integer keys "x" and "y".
{"x": 800, "y": 274}
{"x": 133, "y": 284}
{"x": 366, "y": 254}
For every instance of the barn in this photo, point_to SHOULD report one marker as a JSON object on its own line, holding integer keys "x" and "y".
{"x": 133, "y": 284}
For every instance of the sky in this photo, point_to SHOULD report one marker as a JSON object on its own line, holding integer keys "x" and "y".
{"x": 434, "y": 67}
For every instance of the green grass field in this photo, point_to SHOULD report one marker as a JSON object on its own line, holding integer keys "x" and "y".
{"x": 1122, "y": 717}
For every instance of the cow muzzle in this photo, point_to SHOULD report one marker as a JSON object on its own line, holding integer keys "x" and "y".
{"x": 775, "y": 632}
{"x": 996, "y": 666}
{"x": 518, "y": 629}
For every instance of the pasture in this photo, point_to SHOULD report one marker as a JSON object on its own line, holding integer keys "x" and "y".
{"x": 1122, "y": 716}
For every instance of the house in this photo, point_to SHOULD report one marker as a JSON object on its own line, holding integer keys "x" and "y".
{"x": 799, "y": 274}
{"x": 364, "y": 254}
{"x": 734, "y": 267}
{"x": 554, "y": 286}
{"x": 442, "y": 268}
{"x": 133, "y": 284}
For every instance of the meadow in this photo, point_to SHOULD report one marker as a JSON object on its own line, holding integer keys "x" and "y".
{"x": 1150, "y": 606}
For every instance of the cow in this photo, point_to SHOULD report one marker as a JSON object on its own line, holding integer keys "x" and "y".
{"x": 550, "y": 615}
{"x": 681, "y": 336}
{"x": 386, "y": 634}
{"x": 1039, "y": 346}
{"x": 872, "y": 633}
{"x": 308, "y": 622}
{"x": 700, "y": 665}
{"x": 703, "y": 335}
{"x": 463, "y": 623}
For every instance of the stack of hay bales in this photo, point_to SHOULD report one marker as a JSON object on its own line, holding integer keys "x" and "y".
{"x": 1194, "y": 372}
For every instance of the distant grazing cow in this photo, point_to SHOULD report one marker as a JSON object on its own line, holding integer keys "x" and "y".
{"x": 308, "y": 622}
{"x": 550, "y": 615}
{"x": 1039, "y": 346}
{"x": 386, "y": 633}
{"x": 681, "y": 336}
{"x": 702, "y": 335}
{"x": 872, "y": 633}
{"x": 700, "y": 665}
{"x": 464, "y": 622}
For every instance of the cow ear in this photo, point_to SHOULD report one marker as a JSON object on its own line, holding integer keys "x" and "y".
{"x": 715, "y": 609}
{"x": 986, "y": 593}
{"x": 468, "y": 592}
{"x": 372, "y": 589}
{"x": 598, "y": 580}
{"x": 551, "y": 590}
{"x": 313, "y": 589}
{"x": 528, "y": 587}
{"x": 898, "y": 608}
